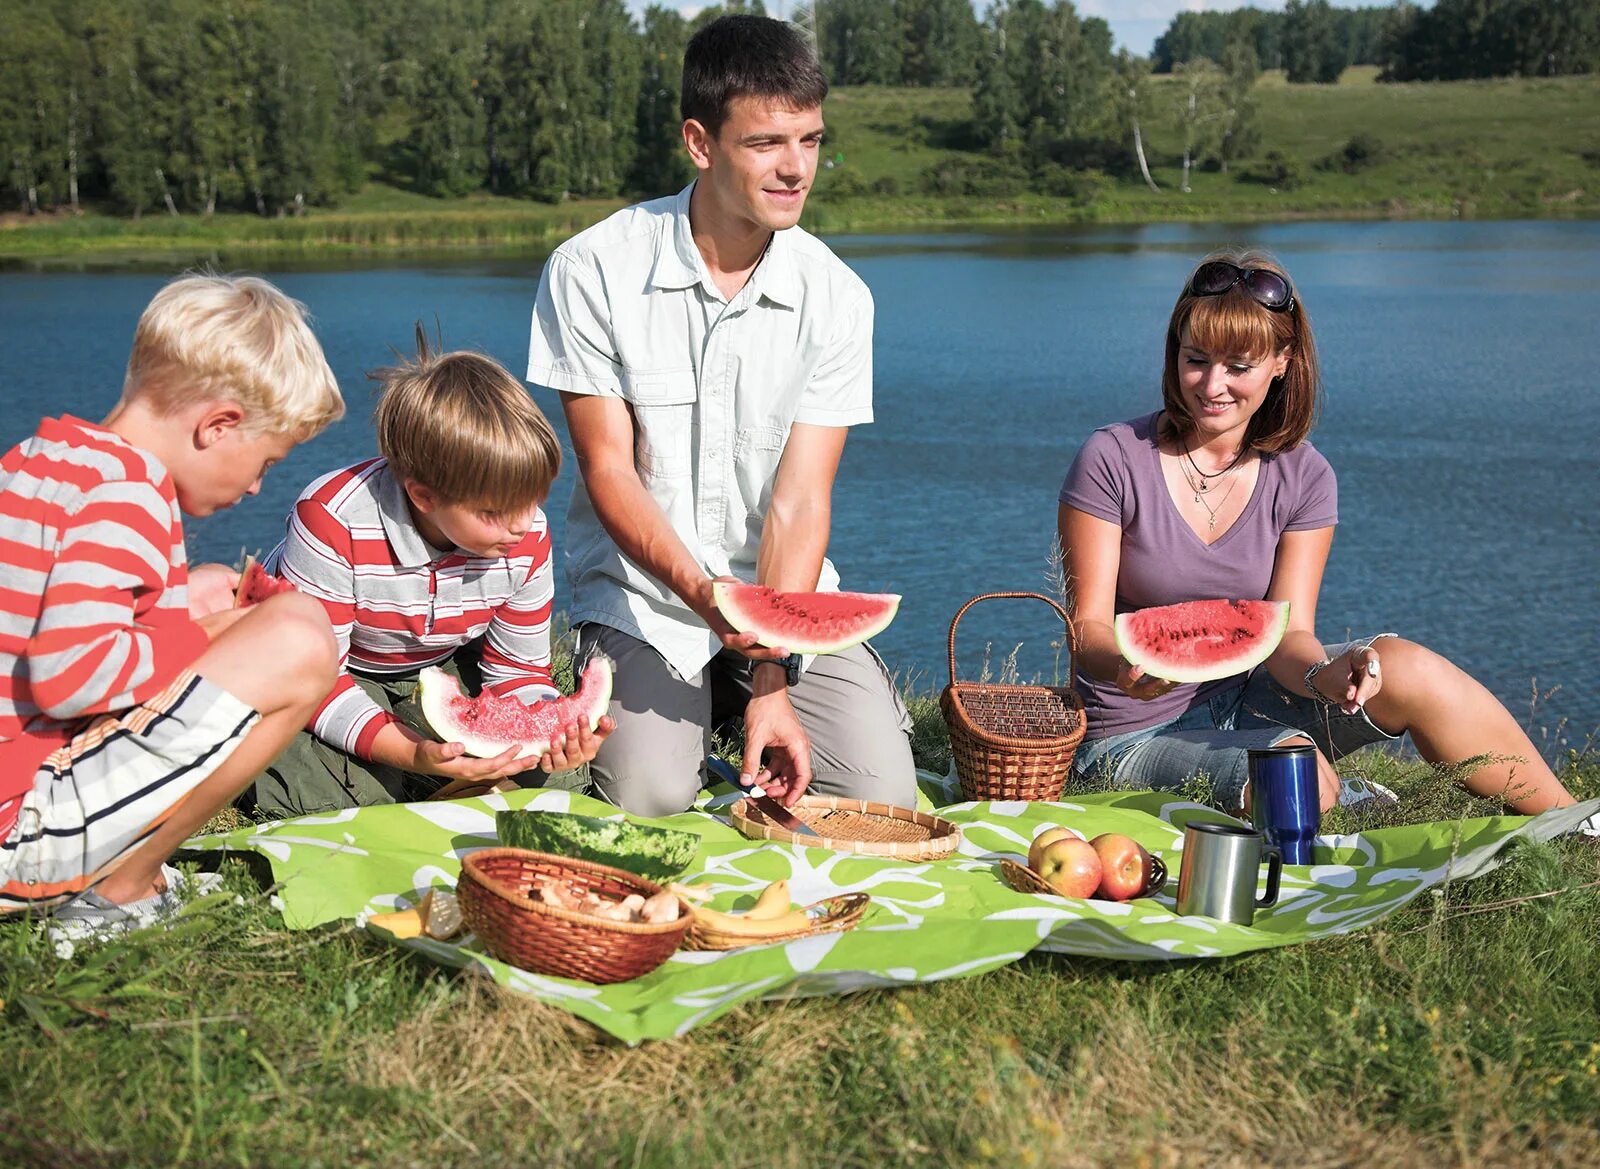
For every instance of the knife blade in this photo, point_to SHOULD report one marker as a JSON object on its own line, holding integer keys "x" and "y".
{"x": 765, "y": 804}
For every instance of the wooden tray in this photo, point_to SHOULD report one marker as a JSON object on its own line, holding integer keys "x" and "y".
{"x": 862, "y": 826}
{"x": 839, "y": 914}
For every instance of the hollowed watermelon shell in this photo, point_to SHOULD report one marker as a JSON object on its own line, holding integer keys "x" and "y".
{"x": 1201, "y": 641}
{"x": 659, "y": 854}
{"x": 492, "y": 723}
{"x": 807, "y": 623}
{"x": 256, "y": 584}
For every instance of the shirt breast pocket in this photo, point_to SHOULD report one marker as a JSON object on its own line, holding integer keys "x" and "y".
{"x": 663, "y": 403}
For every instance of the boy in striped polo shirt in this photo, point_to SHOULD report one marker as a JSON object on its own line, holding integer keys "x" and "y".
{"x": 437, "y": 553}
{"x": 135, "y": 701}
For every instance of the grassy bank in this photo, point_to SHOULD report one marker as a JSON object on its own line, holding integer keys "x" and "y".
{"x": 1463, "y": 1031}
{"x": 1508, "y": 148}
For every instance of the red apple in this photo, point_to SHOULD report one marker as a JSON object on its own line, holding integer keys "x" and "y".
{"x": 1046, "y": 838}
{"x": 1125, "y": 866}
{"x": 1070, "y": 866}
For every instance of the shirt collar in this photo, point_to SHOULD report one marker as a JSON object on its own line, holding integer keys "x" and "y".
{"x": 680, "y": 265}
{"x": 410, "y": 549}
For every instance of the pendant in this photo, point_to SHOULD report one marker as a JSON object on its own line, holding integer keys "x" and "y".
{"x": 1211, "y": 524}
{"x": 1197, "y": 498}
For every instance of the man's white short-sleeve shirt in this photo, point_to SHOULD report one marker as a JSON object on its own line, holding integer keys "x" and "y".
{"x": 627, "y": 309}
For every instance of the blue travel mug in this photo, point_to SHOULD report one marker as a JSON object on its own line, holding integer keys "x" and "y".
{"x": 1284, "y": 801}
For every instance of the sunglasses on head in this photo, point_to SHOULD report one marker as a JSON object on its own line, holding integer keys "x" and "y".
{"x": 1266, "y": 287}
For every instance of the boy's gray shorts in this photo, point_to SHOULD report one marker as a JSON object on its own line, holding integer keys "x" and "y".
{"x": 652, "y": 763}
{"x": 1215, "y": 737}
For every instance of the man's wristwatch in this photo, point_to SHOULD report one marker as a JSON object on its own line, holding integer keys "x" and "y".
{"x": 791, "y": 668}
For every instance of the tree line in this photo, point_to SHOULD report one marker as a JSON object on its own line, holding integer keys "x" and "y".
{"x": 1312, "y": 41}
{"x": 270, "y": 106}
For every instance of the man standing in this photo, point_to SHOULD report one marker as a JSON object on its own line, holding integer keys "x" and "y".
{"x": 710, "y": 357}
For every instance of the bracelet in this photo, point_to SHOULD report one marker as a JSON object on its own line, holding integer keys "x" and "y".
{"x": 1312, "y": 671}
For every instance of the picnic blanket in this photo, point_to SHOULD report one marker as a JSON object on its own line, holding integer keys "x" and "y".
{"x": 946, "y": 919}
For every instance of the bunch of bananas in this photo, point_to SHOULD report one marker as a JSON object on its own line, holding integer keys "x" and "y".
{"x": 772, "y": 916}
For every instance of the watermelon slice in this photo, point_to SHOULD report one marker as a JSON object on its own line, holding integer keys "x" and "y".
{"x": 256, "y": 584}
{"x": 1201, "y": 641}
{"x": 659, "y": 854}
{"x": 807, "y": 623}
{"x": 492, "y": 723}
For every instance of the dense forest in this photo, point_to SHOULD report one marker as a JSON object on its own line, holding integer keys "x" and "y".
{"x": 1454, "y": 39}
{"x": 270, "y": 106}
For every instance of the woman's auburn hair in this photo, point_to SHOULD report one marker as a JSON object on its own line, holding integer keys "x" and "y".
{"x": 1233, "y": 323}
{"x": 459, "y": 424}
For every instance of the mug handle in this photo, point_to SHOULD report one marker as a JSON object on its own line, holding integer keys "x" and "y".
{"x": 1274, "y": 877}
{"x": 1158, "y": 877}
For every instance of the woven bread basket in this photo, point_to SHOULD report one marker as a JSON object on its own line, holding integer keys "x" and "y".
{"x": 1009, "y": 741}
{"x": 526, "y": 932}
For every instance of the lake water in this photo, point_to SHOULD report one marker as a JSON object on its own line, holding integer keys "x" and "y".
{"x": 1462, "y": 418}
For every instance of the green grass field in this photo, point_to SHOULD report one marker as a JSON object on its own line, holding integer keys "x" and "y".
{"x": 1484, "y": 149}
{"x": 1464, "y": 1031}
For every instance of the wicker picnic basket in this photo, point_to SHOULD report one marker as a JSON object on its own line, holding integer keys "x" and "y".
{"x": 862, "y": 826}
{"x": 526, "y": 932}
{"x": 1010, "y": 741}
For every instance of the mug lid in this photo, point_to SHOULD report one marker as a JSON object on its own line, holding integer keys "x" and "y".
{"x": 1221, "y": 829}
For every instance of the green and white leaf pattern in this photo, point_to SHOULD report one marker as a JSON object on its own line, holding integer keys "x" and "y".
{"x": 946, "y": 919}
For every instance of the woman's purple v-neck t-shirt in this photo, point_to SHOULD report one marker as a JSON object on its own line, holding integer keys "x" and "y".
{"x": 1116, "y": 476}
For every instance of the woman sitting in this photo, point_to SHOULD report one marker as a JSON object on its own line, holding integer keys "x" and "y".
{"x": 1219, "y": 494}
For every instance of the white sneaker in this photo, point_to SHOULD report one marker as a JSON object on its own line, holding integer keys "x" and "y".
{"x": 1356, "y": 792}
{"x": 89, "y": 916}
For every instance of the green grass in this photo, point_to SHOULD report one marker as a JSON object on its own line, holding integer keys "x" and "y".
{"x": 1462, "y": 1031}
{"x": 1509, "y": 148}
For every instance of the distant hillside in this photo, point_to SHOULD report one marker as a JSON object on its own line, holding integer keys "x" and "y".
{"x": 906, "y": 157}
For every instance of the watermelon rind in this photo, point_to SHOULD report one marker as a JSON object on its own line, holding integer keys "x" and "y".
{"x": 436, "y": 689}
{"x": 1246, "y": 652}
{"x": 657, "y": 854}
{"x": 750, "y": 609}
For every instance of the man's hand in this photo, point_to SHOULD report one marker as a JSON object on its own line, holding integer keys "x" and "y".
{"x": 777, "y": 753}
{"x": 211, "y": 589}
{"x": 746, "y": 643}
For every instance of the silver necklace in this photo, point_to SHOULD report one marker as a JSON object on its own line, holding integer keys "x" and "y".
{"x": 1211, "y": 512}
{"x": 1205, "y": 483}
{"x": 1200, "y": 497}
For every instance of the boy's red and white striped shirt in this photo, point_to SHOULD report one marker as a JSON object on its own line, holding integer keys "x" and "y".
{"x": 94, "y": 598}
{"x": 397, "y": 603}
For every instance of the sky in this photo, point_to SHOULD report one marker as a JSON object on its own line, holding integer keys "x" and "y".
{"x": 1135, "y": 23}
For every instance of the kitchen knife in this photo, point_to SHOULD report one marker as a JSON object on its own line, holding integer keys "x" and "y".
{"x": 765, "y": 804}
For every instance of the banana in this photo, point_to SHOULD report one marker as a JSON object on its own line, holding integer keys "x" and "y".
{"x": 742, "y": 925}
{"x": 773, "y": 902}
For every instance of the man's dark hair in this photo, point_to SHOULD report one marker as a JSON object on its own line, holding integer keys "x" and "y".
{"x": 739, "y": 55}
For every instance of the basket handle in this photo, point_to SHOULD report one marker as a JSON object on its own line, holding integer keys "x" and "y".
{"x": 1072, "y": 630}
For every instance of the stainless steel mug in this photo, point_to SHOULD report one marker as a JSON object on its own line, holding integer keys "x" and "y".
{"x": 1218, "y": 875}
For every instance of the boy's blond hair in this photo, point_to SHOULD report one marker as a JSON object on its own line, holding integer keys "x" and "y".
{"x": 233, "y": 338}
{"x": 462, "y": 426}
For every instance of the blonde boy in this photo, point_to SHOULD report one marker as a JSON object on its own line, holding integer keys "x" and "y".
{"x": 137, "y": 701}
{"x": 436, "y": 553}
